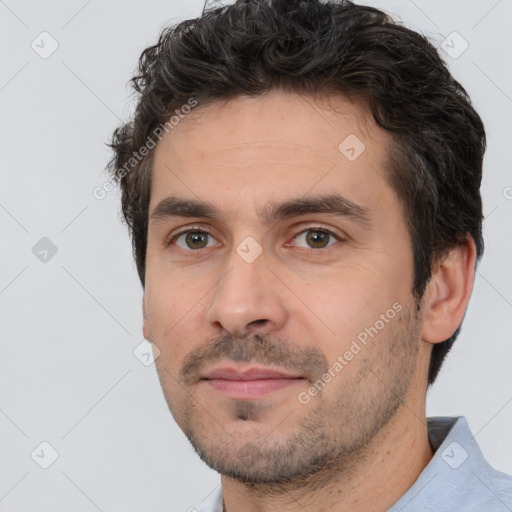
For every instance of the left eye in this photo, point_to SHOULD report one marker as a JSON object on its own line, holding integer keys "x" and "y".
{"x": 317, "y": 238}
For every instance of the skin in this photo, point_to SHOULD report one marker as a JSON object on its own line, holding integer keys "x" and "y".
{"x": 360, "y": 442}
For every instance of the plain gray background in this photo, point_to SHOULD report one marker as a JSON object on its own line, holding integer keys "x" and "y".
{"x": 70, "y": 321}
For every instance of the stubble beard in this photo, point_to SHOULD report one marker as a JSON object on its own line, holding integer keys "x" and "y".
{"x": 332, "y": 433}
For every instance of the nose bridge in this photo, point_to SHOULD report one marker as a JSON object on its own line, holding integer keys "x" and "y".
{"x": 246, "y": 278}
{"x": 247, "y": 292}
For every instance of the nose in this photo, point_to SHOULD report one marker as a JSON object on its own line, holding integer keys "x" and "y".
{"x": 248, "y": 299}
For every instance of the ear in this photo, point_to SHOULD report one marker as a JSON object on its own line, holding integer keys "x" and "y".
{"x": 145, "y": 325}
{"x": 448, "y": 292}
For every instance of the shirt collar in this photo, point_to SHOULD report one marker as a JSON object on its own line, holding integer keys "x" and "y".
{"x": 457, "y": 467}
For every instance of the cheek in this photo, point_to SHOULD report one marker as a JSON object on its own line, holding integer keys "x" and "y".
{"x": 175, "y": 396}
{"x": 349, "y": 302}
{"x": 168, "y": 310}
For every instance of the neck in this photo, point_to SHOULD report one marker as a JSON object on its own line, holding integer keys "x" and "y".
{"x": 373, "y": 479}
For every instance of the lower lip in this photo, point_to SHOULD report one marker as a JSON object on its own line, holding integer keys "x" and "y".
{"x": 245, "y": 389}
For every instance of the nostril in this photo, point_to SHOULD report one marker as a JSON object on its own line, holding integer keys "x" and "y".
{"x": 258, "y": 322}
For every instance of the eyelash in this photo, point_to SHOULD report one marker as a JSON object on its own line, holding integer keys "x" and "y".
{"x": 197, "y": 229}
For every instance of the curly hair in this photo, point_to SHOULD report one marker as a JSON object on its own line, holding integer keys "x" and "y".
{"x": 321, "y": 47}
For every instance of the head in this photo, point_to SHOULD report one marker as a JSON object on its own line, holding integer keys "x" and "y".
{"x": 293, "y": 119}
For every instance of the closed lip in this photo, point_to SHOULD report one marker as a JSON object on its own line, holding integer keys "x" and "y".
{"x": 251, "y": 373}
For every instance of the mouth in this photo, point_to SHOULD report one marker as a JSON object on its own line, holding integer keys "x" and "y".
{"x": 249, "y": 383}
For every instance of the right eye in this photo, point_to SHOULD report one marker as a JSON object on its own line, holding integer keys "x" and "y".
{"x": 191, "y": 240}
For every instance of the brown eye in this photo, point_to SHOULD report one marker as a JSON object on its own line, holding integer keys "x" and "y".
{"x": 191, "y": 240}
{"x": 317, "y": 238}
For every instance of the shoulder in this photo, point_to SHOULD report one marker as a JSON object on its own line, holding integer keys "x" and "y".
{"x": 458, "y": 477}
{"x": 492, "y": 491}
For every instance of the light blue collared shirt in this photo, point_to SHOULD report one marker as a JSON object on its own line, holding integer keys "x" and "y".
{"x": 457, "y": 479}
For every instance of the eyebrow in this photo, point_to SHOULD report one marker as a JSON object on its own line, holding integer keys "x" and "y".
{"x": 333, "y": 204}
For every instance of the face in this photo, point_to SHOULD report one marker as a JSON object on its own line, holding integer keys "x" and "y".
{"x": 282, "y": 308}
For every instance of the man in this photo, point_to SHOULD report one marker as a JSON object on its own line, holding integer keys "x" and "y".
{"x": 301, "y": 182}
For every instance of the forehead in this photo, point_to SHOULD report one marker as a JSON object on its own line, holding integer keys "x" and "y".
{"x": 252, "y": 148}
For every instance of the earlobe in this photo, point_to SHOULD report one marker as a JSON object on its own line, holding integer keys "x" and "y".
{"x": 448, "y": 292}
{"x": 145, "y": 322}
